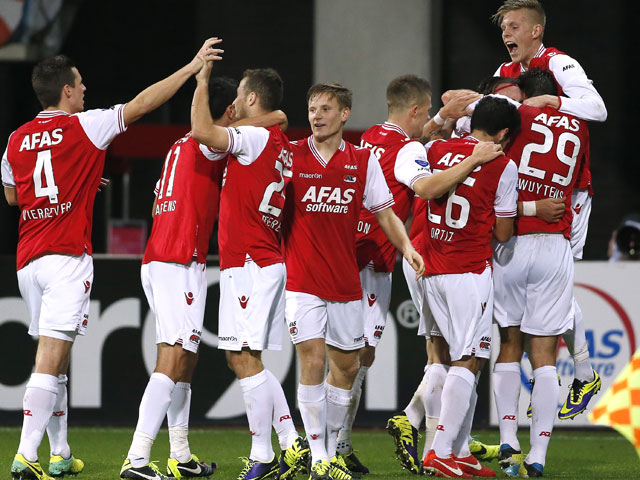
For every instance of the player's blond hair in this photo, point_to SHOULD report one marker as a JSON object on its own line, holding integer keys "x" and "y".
{"x": 406, "y": 91}
{"x": 342, "y": 94}
{"x": 533, "y": 6}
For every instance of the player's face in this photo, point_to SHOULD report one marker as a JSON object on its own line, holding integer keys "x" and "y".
{"x": 326, "y": 117}
{"x": 518, "y": 36}
{"x": 240, "y": 103}
{"x": 76, "y": 99}
{"x": 510, "y": 90}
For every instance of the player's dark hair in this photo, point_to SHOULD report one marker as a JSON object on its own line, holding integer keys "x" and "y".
{"x": 536, "y": 82}
{"x": 222, "y": 92}
{"x": 534, "y": 7}
{"x": 491, "y": 84}
{"x": 49, "y": 77}
{"x": 267, "y": 83}
{"x": 407, "y": 90}
{"x": 342, "y": 94}
{"x": 493, "y": 114}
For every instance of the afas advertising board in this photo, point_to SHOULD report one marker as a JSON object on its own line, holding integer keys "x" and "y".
{"x": 609, "y": 296}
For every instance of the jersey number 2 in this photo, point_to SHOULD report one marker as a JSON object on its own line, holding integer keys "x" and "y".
{"x": 43, "y": 164}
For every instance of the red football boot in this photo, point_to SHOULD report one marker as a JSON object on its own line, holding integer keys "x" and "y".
{"x": 473, "y": 467}
{"x": 443, "y": 467}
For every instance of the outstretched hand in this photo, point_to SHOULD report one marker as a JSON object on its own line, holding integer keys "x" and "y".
{"x": 206, "y": 55}
{"x": 458, "y": 104}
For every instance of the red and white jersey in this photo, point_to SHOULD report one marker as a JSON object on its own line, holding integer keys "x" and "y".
{"x": 460, "y": 223}
{"x": 323, "y": 205}
{"x": 403, "y": 162}
{"x": 418, "y": 224}
{"x": 252, "y": 196}
{"x": 55, "y": 162}
{"x": 583, "y": 100}
{"x": 549, "y": 151}
{"x": 187, "y": 197}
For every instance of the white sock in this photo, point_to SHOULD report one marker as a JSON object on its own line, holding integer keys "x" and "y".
{"x": 344, "y": 436}
{"x": 415, "y": 409}
{"x": 338, "y": 402}
{"x": 258, "y": 403}
{"x": 312, "y": 401}
{"x": 506, "y": 391}
{"x": 576, "y": 341}
{"x": 178, "y": 422}
{"x": 282, "y": 421}
{"x": 37, "y": 407}
{"x": 456, "y": 396}
{"x": 57, "y": 426}
{"x": 461, "y": 445}
{"x": 433, "y": 401}
{"x": 544, "y": 402}
{"x": 153, "y": 408}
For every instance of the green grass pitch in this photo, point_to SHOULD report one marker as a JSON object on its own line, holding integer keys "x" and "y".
{"x": 572, "y": 454}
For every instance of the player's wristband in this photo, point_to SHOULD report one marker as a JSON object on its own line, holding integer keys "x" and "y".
{"x": 529, "y": 209}
{"x": 438, "y": 119}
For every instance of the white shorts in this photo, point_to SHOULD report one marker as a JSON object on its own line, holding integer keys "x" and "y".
{"x": 252, "y": 307}
{"x": 376, "y": 296}
{"x": 462, "y": 306}
{"x": 177, "y": 295}
{"x": 581, "y": 206}
{"x": 56, "y": 289}
{"x": 533, "y": 277}
{"x": 338, "y": 323}
{"x": 427, "y": 326}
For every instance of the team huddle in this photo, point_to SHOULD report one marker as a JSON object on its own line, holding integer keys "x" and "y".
{"x": 498, "y": 188}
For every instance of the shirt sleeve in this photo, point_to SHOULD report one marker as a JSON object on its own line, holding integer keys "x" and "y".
{"x": 156, "y": 190}
{"x": 102, "y": 126}
{"x": 377, "y": 195}
{"x": 506, "y": 202}
{"x": 584, "y": 100}
{"x": 411, "y": 164}
{"x": 247, "y": 143}
{"x": 7, "y": 171}
{"x": 211, "y": 153}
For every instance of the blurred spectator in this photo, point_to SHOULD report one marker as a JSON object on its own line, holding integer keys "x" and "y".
{"x": 625, "y": 240}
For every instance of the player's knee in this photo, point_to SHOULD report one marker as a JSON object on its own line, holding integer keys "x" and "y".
{"x": 367, "y": 356}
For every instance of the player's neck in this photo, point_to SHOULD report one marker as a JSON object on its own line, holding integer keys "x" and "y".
{"x": 481, "y": 136}
{"x": 403, "y": 123}
{"x": 328, "y": 146}
{"x": 530, "y": 55}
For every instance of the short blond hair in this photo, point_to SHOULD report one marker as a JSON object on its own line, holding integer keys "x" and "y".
{"x": 533, "y": 6}
{"x": 407, "y": 90}
{"x": 341, "y": 93}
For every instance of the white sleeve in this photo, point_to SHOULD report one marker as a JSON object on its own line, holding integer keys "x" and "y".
{"x": 506, "y": 202}
{"x": 7, "y": 171}
{"x": 156, "y": 190}
{"x": 411, "y": 164}
{"x": 211, "y": 153}
{"x": 584, "y": 100}
{"x": 102, "y": 126}
{"x": 497, "y": 74}
{"x": 377, "y": 195}
{"x": 247, "y": 143}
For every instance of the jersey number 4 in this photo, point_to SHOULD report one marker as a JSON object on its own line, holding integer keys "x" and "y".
{"x": 44, "y": 166}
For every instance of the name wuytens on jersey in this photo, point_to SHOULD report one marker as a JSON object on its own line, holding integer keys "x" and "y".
{"x": 566, "y": 141}
{"x": 37, "y": 141}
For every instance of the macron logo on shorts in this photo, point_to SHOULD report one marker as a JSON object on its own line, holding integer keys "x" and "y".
{"x": 87, "y": 286}
{"x": 188, "y": 297}
{"x": 371, "y": 297}
{"x": 243, "y": 301}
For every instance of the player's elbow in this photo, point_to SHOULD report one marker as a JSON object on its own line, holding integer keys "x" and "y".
{"x": 11, "y": 195}
{"x": 424, "y": 189}
{"x": 503, "y": 230}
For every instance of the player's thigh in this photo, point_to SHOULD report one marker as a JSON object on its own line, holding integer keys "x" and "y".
{"x": 549, "y": 299}
{"x": 376, "y": 297}
{"x": 57, "y": 289}
{"x": 427, "y": 325}
{"x": 177, "y": 295}
{"x": 510, "y": 262}
{"x": 344, "y": 325}
{"x": 252, "y": 307}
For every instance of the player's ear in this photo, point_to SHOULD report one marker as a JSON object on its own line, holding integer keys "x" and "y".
{"x": 252, "y": 98}
{"x": 536, "y": 32}
{"x": 345, "y": 114}
{"x": 230, "y": 112}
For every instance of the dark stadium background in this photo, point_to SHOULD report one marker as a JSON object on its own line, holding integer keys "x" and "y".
{"x": 122, "y": 46}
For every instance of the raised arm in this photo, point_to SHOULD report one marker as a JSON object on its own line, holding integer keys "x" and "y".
{"x": 394, "y": 229}
{"x": 158, "y": 93}
{"x": 203, "y": 129}
{"x": 277, "y": 117}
